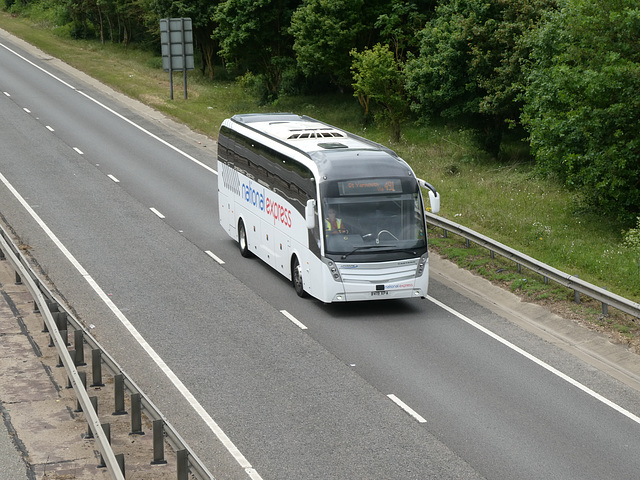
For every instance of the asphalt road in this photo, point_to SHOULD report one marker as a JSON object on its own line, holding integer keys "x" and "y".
{"x": 12, "y": 465}
{"x": 209, "y": 344}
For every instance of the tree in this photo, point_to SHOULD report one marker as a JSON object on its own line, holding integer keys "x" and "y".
{"x": 400, "y": 25}
{"x": 378, "y": 76}
{"x": 120, "y": 21}
{"x": 468, "y": 68}
{"x": 325, "y": 31}
{"x": 254, "y": 37}
{"x": 582, "y": 99}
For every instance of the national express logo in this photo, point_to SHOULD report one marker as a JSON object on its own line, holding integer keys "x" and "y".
{"x": 262, "y": 202}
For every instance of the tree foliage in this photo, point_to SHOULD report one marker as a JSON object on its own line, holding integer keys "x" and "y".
{"x": 324, "y": 33}
{"x": 400, "y": 24}
{"x": 582, "y": 104}
{"x": 117, "y": 21}
{"x": 379, "y": 77}
{"x": 468, "y": 67}
{"x": 254, "y": 37}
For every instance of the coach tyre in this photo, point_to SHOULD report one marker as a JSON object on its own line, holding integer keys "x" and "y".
{"x": 296, "y": 277}
{"x": 242, "y": 240}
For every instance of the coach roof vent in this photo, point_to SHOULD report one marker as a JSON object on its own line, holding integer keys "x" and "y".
{"x": 331, "y": 145}
{"x": 315, "y": 134}
{"x": 304, "y": 130}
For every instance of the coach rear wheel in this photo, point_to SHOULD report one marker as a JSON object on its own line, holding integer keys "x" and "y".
{"x": 296, "y": 277}
{"x": 242, "y": 240}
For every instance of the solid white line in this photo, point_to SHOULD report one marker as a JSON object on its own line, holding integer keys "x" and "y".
{"x": 215, "y": 257}
{"x": 293, "y": 319}
{"x": 406, "y": 408}
{"x": 78, "y": 150}
{"x": 157, "y": 212}
{"x": 164, "y": 142}
{"x": 536, "y": 360}
{"x": 213, "y": 426}
{"x": 113, "y": 178}
{"x": 155, "y": 137}
{"x": 38, "y": 67}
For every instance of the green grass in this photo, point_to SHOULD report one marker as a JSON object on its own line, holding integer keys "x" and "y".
{"x": 504, "y": 199}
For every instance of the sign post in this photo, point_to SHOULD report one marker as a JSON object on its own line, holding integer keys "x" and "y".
{"x": 176, "y": 37}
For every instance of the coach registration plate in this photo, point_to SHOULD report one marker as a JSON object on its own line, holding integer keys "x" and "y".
{"x": 382, "y": 292}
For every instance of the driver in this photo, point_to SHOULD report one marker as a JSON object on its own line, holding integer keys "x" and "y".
{"x": 334, "y": 225}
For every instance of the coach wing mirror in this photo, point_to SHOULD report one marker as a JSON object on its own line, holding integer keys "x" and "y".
{"x": 434, "y": 197}
{"x": 309, "y": 213}
{"x": 434, "y": 201}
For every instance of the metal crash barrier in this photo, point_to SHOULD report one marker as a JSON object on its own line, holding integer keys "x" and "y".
{"x": 548, "y": 273}
{"x": 58, "y": 322}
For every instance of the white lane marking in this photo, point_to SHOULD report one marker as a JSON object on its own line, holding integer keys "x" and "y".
{"x": 157, "y": 212}
{"x": 539, "y": 362}
{"x": 406, "y": 408}
{"x": 293, "y": 319}
{"x": 122, "y": 117}
{"x": 155, "y": 137}
{"x": 7, "y": 94}
{"x": 215, "y": 257}
{"x": 204, "y": 415}
{"x": 27, "y": 110}
{"x": 113, "y": 178}
{"x": 38, "y": 67}
{"x": 78, "y": 150}
{"x": 49, "y": 128}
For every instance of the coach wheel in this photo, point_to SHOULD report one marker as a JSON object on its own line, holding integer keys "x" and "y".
{"x": 296, "y": 277}
{"x": 242, "y": 240}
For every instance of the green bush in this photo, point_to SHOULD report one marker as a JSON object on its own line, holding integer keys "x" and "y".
{"x": 582, "y": 97}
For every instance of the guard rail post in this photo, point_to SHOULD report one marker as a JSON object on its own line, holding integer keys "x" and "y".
{"x": 94, "y": 405}
{"x": 120, "y": 460}
{"x": 182, "y": 463}
{"x": 78, "y": 345}
{"x": 118, "y": 389}
{"x": 158, "y": 443}
{"x": 61, "y": 320}
{"x": 83, "y": 382}
{"x": 136, "y": 415}
{"x": 106, "y": 428}
{"x": 65, "y": 337}
{"x": 96, "y": 367}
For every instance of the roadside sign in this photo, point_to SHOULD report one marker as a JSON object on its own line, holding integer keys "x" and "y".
{"x": 176, "y": 38}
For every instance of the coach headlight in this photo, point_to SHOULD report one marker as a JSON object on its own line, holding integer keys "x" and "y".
{"x": 333, "y": 269}
{"x": 421, "y": 265}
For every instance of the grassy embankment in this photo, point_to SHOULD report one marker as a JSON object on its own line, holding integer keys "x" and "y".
{"x": 504, "y": 199}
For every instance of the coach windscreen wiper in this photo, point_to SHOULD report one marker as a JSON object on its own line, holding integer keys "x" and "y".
{"x": 365, "y": 247}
